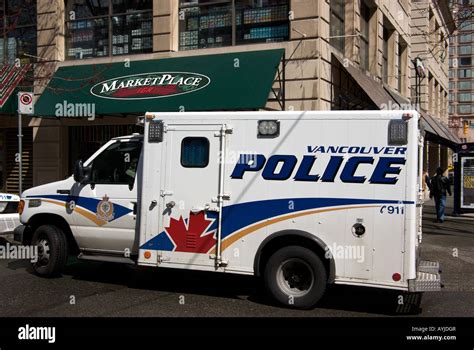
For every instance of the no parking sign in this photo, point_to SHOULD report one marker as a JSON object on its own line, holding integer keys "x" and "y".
{"x": 25, "y": 102}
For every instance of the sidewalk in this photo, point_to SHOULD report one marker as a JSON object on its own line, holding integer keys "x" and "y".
{"x": 452, "y": 244}
{"x": 429, "y": 210}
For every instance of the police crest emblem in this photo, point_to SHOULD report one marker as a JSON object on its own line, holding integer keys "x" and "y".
{"x": 105, "y": 209}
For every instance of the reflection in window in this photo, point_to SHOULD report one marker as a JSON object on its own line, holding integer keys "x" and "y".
{"x": 132, "y": 33}
{"x": 262, "y": 21}
{"x": 87, "y": 38}
{"x": 117, "y": 164}
{"x": 18, "y": 26}
{"x": 85, "y": 9}
{"x": 124, "y": 6}
{"x": 337, "y": 27}
{"x": 205, "y": 24}
{"x": 88, "y": 30}
{"x": 21, "y": 12}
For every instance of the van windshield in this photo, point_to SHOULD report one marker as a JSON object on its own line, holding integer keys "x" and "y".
{"x": 117, "y": 164}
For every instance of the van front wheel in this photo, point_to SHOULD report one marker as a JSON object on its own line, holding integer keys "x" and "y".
{"x": 295, "y": 277}
{"x": 51, "y": 245}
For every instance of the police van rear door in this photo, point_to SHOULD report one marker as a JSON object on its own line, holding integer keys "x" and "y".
{"x": 189, "y": 206}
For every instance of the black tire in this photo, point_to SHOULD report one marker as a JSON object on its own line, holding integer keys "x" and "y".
{"x": 52, "y": 251}
{"x": 287, "y": 273}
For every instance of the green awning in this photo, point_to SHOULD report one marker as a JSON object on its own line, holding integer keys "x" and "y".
{"x": 232, "y": 81}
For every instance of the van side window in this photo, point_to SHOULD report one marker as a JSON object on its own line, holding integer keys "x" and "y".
{"x": 195, "y": 152}
{"x": 117, "y": 164}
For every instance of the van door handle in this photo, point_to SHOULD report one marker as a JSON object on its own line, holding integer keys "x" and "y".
{"x": 63, "y": 191}
{"x": 196, "y": 210}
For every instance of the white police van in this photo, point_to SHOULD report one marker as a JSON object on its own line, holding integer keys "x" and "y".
{"x": 302, "y": 199}
{"x": 9, "y": 218}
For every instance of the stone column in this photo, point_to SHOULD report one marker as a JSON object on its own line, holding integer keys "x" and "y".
{"x": 50, "y": 138}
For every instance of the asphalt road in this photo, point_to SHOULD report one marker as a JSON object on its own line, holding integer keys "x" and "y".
{"x": 104, "y": 289}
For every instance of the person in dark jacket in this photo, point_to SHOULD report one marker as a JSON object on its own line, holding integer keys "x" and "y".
{"x": 439, "y": 188}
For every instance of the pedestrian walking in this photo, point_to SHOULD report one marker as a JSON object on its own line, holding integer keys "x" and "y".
{"x": 439, "y": 188}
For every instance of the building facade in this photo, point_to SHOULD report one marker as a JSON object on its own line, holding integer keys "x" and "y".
{"x": 18, "y": 48}
{"x": 432, "y": 26}
{"x": 337, "y": 55}
{"x": 461, "y": 79}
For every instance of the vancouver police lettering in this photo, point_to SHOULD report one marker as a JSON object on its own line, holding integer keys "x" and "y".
{"x": 344, "y": 162}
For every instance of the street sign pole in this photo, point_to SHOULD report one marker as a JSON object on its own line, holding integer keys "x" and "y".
{"x": 20, "y": 152}
{"x": 25, "y": 106}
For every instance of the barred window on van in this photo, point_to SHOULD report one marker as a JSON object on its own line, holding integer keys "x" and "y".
{"x": 195, "y": 152}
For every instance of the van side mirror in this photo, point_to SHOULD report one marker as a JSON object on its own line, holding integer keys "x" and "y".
{"x": 82, "y": 174}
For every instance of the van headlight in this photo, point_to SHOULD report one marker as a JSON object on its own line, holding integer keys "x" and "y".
{"x": 34, "y": 203}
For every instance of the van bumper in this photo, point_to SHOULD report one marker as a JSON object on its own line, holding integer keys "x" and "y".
{"x": 18, "y": 233}
{"x": 428, "y": 278}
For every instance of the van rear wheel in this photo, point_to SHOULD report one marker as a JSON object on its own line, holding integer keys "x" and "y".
{"x": 295, "y": 276}
{"x": 51, "y": 245}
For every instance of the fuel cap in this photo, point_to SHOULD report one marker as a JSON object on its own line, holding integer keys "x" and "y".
{"x": 358, "y": 230}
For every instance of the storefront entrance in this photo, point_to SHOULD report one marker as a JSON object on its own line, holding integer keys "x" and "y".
{"x": 8, "y": 162}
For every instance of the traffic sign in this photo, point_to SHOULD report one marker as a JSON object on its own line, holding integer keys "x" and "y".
{"x": 25, "y": 102}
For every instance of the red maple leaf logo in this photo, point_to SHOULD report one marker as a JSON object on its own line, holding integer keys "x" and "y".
{"x": 190, "y": 238}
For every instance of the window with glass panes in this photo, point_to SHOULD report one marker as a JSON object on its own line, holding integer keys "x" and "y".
{"x": 401, "y": 69}
{"x": 465, "y": 85}
{"x": 466, "y": 97}
{"x": 386, "y": 36}
{"x": 465, "y": 61}
{"x": 466, "y": 50}
{"x": 364, "y": 35}
{"x": 18, "y": 28}
{"x": 465, "y": 38}
{"x": 336, "y": 24}
{"x": 207, "y": 23}
{"x": 465, "y": 108}
{"x": 465, "y": 73}
{"x": 96, "y": 28}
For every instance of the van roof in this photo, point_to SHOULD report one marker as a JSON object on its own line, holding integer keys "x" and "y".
{"x": 127, "y": 137}
{"x": 289, "y": 115}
